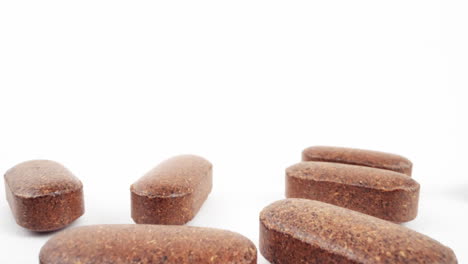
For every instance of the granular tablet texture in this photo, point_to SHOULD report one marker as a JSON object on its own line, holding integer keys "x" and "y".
{"x": 43, "y": 195}
{"x": 368, "y": 158}
{"x": 305, "y": 231}
{"x": 147, "y": 244}
{"x": 381, "y": 193}
{"x": 173, "y": 192}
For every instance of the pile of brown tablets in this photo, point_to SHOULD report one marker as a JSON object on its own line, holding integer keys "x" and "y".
{"x": 343, "y": 206}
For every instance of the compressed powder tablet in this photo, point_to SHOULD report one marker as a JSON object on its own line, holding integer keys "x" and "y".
{"x": 361, "y": 157}
{"x": 173, "y": 192}
{"x": 43, "y": 195}
{"x": 147, "y": 244}
{"x": 381, "y": 193}
{"x": 304, "y": 231}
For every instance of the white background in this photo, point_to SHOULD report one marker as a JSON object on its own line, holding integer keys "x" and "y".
{"x": 111, "y": 88}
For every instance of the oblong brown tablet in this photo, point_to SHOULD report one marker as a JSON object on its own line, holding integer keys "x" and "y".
{"x": 173, "y": 192}
{"x": 360, "y": 157}
{"x": 122, "y": 244}
{"x": 305, "y": 231}
{"x": 381, "y": 193}
{"x": 43, "y": 195}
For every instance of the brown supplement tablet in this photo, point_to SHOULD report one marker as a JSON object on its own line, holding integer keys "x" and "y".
{"x": 43, "y": 195}
{"x": 122, "y": 244}
{"x": 381, "y": 193}
{"x": 360, "y": 157}
{"x": 173, "y": 192}
{"x": 305, "y": 231}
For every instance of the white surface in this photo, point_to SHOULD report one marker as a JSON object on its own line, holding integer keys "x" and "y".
{"x": 111, "y": 88}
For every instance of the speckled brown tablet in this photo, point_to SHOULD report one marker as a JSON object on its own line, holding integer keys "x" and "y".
{"x": 305, "y": 231}
{"x": 173, "y": 192}
{"x": 147, "y": 244}
{"x": 360, "y": 157}
{"x": 43, "y": 195}
{"x": 382, "y": 193}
